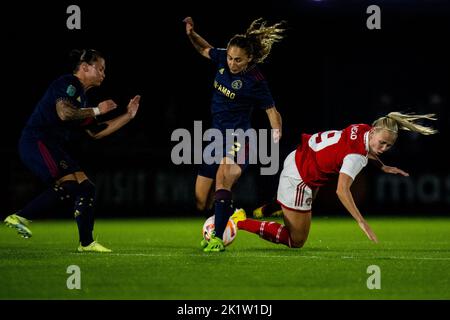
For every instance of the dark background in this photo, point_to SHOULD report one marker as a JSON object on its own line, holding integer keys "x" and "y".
{"x": 329, "y": 71}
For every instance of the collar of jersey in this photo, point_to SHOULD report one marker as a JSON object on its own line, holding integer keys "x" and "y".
{"x": 366, "y": 141}
{"x": 248, "y": 69}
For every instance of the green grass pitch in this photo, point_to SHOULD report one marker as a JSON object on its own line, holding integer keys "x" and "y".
{"x": 160, "y": 259}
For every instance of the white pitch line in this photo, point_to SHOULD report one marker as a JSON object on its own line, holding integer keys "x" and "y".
{"x": 278, "y": 256}
{"x": 399, "y": 258}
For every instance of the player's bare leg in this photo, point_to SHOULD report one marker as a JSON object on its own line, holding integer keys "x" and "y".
{"x": 293, "y": 233}
{"x": 227, "y": 175}
{"x": 298, "y": 224}
{"x": 204, "y": 193}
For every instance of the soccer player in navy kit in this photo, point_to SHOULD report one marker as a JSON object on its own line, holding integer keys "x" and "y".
{"x": 55, "y": 122}
{"x": 239, "y": 87}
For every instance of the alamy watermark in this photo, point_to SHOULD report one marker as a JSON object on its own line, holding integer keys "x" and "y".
{"x": 74, "y": 20}
{"x": 373, "y": 22}
{"x": 374, "y": 280}
{"x": 244, "y": 147}
{"x": 74, "y": 280}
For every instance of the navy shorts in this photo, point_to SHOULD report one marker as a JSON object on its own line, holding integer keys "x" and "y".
{"x": 231, "y": 151}
{"x": 46, "y": 160}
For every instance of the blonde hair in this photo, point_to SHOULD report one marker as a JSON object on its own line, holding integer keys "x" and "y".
{"x": 258, "y": 39}
{"x": 397, "y": 120}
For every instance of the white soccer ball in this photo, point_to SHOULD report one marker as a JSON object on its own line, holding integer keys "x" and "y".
{"x": 228, "y": 235}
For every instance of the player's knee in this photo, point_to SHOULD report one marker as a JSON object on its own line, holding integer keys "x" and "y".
{"x": 87, "y": 188}
{"x": 297, "y": 244}
{"x": 200, "y": 204}
{"x": 67, "y": 190}
{"x": 201, "y": 200}
{"x": 297, "y": 241}
{"x": 227, "y": 180}
{"x": 232, "y": 174}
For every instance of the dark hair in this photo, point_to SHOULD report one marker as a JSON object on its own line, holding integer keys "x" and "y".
{"x": 258, "y": 39}
{"x": 78, "y": 56}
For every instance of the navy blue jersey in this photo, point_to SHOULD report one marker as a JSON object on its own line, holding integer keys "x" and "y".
{"x": 236, "y": 95}
{"x": 44, "y": 122}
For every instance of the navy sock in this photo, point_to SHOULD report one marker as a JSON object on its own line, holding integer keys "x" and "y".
{"x": 84, "y": 212}
{"x": 83, "y": 229}
{"x": 223, "y": 211}
{"x": 74, "y": 193}
{"x": 45, "y": 202}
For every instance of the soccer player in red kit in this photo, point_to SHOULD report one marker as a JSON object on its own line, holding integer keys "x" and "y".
{"x": 319, "y": 157}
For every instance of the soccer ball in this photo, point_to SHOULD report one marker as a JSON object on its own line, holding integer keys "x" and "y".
{"x": 228, "y": 235}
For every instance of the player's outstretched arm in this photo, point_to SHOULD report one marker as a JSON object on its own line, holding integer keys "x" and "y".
{"x": 346, "y": 198}
{"x": 67, "y": 111}
{"x": 387, "y": 169}
{"x": 200, "y": 44}
{"x": 115, "y": 124}
{"x": 275, "y": 122}
{"x": 394, "y": 170}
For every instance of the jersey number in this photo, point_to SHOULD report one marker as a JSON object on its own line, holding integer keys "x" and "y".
{"x": 320, "y": 141}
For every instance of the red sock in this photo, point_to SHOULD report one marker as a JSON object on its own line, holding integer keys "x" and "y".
{"x": 268, "y": 230}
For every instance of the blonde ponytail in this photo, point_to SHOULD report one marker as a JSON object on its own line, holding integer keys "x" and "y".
{"x": 397, "y": 120}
